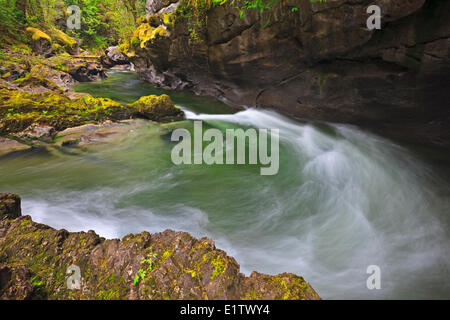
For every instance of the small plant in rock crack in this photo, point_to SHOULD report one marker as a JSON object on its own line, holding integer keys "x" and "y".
{"x": 35, "y": 282}
{"x": 148, "y": 259}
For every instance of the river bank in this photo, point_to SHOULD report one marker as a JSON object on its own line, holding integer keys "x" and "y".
{"x": 35, "y": 259}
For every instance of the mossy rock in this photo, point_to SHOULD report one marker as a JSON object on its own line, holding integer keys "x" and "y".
{"x": 66, "y": 42}
{"x": 155, "y": 20}
{"x": 166, "y": 265}
{"x": 145, "y": 33}
{"x": 157, "y": 108}
{"x": 40, "y": 41}
{"x": 18, "y": 110}
{"x": 34, "y": 80}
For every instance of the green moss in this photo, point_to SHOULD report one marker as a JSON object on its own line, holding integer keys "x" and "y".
{"x": 34, "y": 80}
{"x": 37, "y": 34}
{"x": 19, "y": 109}
{"x": 220, "y": 265}
{"x": 169, "y": 20}
{"x": 166, "y": 255}
{"x": 252, "y": 295}
{"x": 146, "y": 33}
{"x": 159, "y": 108}
{"x": 63, "y": 39}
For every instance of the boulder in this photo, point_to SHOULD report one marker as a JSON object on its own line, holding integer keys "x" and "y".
{"x": 113, "y": 57}
{"x": 15, "y": 283}
{"x": 40, "y": 42}
{"x": 87, "y": 71}
{"x": 158, "y": 108}
{"x": 38, "y": 131}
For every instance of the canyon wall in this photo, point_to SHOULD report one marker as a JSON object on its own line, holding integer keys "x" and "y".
{"x": 313, "y": 60}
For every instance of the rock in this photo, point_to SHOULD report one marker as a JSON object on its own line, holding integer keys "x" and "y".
{"x": 166, "y": 265}
{"x": 61, "y": 80}
{"x": 35, "y": 83}
{"x": 12, "y": 72}
{"x": 87, "y": 71}
{"x": 97, "y": 133}
{"x": 10, "y": 206}
{"x": 319, "y": 62}
{"x": 155, "y": 6}
{"x": 40, "y": 42}
{"x": 113, "y": 57}
{"x": 10, "y": 146}
{"x": 38, "y": 131}
{"x": 157, "y": 108}
{"x": 19, "y": 110}
{"x": 69, "y": 44}
{"x": 15, "y": 283}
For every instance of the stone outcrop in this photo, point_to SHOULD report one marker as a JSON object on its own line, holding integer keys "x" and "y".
{"x": 35, "y": 259}
{"x": 317, "y": 60}
{"x": 113, "y": 57}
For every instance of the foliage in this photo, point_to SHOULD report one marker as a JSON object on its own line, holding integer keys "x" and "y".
{"x": 195, "y": 11}
{"x": 141, "y": 274}
{"x": 103, "y": 22}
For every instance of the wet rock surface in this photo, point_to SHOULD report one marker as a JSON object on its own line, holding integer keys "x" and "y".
{"x": 319, "y": 62}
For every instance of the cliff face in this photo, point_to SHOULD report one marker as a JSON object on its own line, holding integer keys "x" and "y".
{"x": 34, "y": 260}
{"x": 318, "y": 62}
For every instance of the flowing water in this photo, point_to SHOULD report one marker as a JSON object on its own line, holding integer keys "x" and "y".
{"x": 343, "y": 199}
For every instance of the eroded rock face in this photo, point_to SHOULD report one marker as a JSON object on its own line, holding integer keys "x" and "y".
{"x": 319, "y": 62}
{"x": 166, "y": 265}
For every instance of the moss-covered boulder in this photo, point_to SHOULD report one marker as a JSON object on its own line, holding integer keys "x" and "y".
{"x": 69, "y": 44}
{"x": 40, "y": 41}
{"x": 158, "y": 108}
{"x": 20, "y": 109}
{"x": 35, "y": 259}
